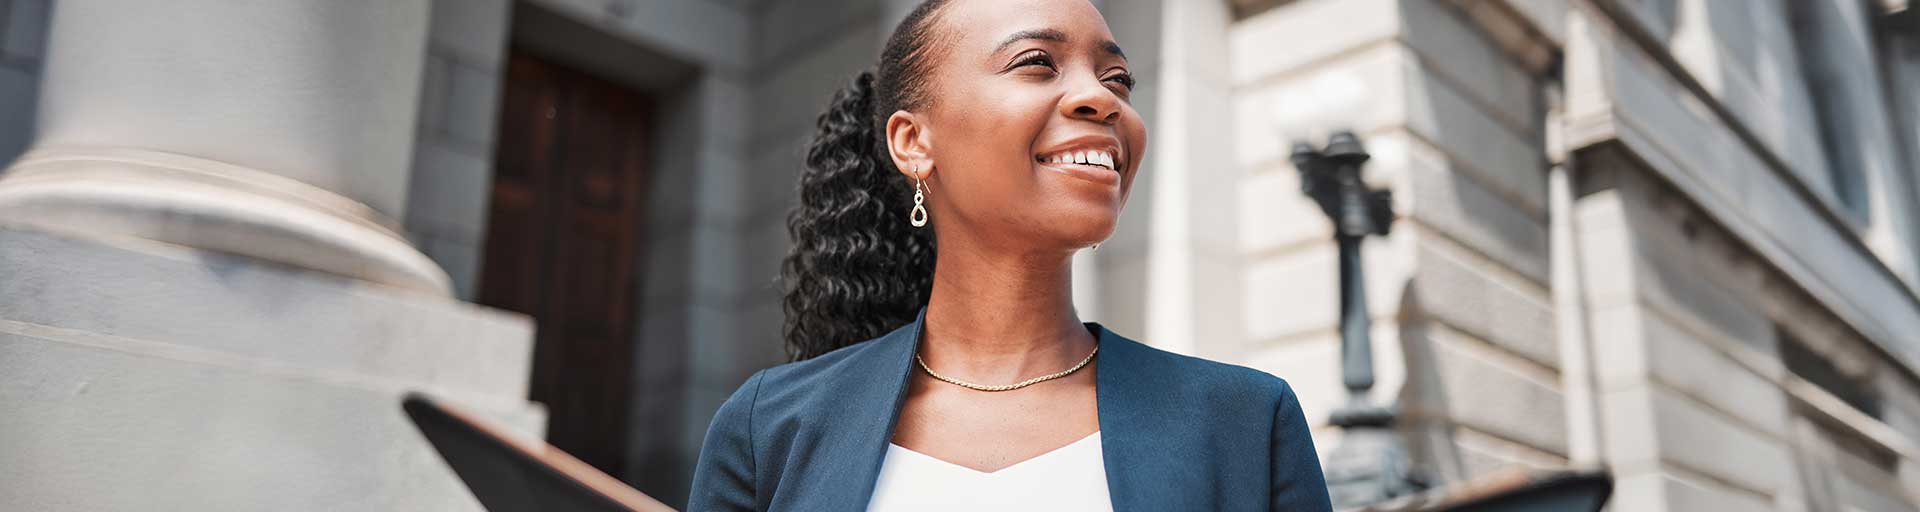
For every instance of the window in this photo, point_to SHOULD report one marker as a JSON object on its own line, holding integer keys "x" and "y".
{"x": 1833, "y": 65}
{"x": 1819, "y": 369}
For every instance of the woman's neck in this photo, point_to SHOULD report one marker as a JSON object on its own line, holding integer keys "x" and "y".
{"x": 997, "y": 318}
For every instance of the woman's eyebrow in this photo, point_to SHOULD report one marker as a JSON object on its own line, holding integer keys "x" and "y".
{"x": 1048, "y": 34}
{"x": 1045, "y": 34}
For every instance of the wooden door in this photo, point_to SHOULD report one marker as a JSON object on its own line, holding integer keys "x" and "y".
{"x": 563, "y": 241}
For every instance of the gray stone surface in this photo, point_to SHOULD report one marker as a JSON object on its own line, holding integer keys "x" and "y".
{"x": 1468, "y": 294}
{"x": 144, "y": 375}
{"x": 116, "y": 79}
{"x": 1281, "y": 39}
{"x": 1697, "y": 154}
{"x": 1454, "y": 378}
{"x": 452, "y": 169}
{"x": 102, "y": 423}
{"x": 472, "y": 103}
{"x": 1450, "y": 46}
{"x": 276, "y": 315}
{"x": 1651, "y": 424}
{"x": 453, "y": 199}
{"x": 472, "y": 31}
{"x": 1661, "y": 492}
{"x": 1458, "y": 206}
{"x": 1507, "y": 161}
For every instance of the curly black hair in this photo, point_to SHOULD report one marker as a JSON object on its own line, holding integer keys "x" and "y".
{"x": 856, "y": 269}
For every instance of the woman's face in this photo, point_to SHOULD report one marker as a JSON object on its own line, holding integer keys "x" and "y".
{"x": 1028, "y": 129}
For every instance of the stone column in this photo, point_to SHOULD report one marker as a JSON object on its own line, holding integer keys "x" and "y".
{"x": 204, "y": 304}
{"x": 280, "y": 130}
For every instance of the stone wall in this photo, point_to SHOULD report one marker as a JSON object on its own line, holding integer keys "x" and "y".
{"x": 1708, "y": 227}
{"x": 1463, "y": 327}
{"x": 1702, "y": 408}
{"x": 452, "y": 173}
{"x": 1742, "y": 306}
{"x": 1691, "y": 419}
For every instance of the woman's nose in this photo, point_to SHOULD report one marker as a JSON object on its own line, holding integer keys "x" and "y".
{"x": 1091, "y": 100}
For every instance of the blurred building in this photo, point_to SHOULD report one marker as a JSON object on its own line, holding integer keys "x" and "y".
{"x": 1674, "y": 238}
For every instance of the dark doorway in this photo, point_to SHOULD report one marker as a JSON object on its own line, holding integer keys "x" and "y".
{"x": 562, "y": 244}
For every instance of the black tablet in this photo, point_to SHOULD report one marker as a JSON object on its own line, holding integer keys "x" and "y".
{"x": 510, "y": 475}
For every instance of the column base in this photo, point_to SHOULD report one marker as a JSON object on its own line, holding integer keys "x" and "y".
{"x": 205, "y": 204}
{"x": 146, "y": 376}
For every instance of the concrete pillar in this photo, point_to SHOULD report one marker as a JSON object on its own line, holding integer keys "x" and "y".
{"x": 280, "y": 130}
{"x": 204, "y": 301}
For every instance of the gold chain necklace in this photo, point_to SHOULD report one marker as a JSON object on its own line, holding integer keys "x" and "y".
{"x": 1008, "y": 387}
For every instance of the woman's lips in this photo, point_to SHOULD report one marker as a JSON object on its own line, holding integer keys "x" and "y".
{"x": 1089, "y": 172}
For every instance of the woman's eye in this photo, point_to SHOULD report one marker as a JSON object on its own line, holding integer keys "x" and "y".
{"x": 1036, "y": 58}
{"x": 1123, "y": 79}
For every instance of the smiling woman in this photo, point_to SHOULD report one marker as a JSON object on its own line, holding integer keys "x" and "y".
{"x": 939, "y": 361}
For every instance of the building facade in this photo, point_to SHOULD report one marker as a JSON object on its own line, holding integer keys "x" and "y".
{"x": 1673, "y": 238}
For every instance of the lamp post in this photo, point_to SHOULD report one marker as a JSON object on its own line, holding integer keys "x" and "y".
{"x": 1370, "y": 465}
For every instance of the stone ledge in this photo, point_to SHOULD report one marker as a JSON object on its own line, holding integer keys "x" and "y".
{"x": 190, "y": 200}
{"x": 1647, "y": 423}
{"x": 109, "y": 429}
{"x": 242, "y": 307}
{"x": 1662, "y": 491}
{"x": 1454, "y": 378}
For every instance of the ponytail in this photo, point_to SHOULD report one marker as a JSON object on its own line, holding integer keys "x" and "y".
{"x": 856, "y": 269}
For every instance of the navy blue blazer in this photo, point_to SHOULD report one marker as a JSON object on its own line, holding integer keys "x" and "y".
{"x": 1177, "y": 432}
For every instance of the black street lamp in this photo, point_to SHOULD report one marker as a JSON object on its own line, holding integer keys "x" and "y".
{"x": 1371, "y": 464}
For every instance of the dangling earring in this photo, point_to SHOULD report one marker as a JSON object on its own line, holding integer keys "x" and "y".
{"x": 918, "y": 217}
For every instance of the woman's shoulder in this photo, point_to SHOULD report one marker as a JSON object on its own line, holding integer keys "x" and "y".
{"x": 1187, "y": 377}
{"x": 1203, "y": 371}
{"x": 853, "y": 361}
{"x": 815, "y": 384}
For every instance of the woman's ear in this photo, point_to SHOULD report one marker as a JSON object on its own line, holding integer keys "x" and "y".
{"x": 907, "y": 141}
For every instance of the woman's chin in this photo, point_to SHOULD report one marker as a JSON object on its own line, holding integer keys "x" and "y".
{"x": 1085, "y": 230}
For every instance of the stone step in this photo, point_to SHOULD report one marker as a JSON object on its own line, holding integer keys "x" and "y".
{"x": 251, "y": 309}
{"x": 102, "y": 423}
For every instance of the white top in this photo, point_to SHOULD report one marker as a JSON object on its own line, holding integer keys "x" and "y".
{"x": 1070, "y": 478}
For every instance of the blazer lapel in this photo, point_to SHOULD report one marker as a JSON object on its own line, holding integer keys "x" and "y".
{"x": 1126, "y": 423}
{"x": 870, "y": 408}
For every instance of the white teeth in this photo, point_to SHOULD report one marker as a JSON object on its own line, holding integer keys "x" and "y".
{"x": 1095, "y": 157}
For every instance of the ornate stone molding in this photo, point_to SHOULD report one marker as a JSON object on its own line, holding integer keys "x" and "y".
{"x": 211, "y": 205}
